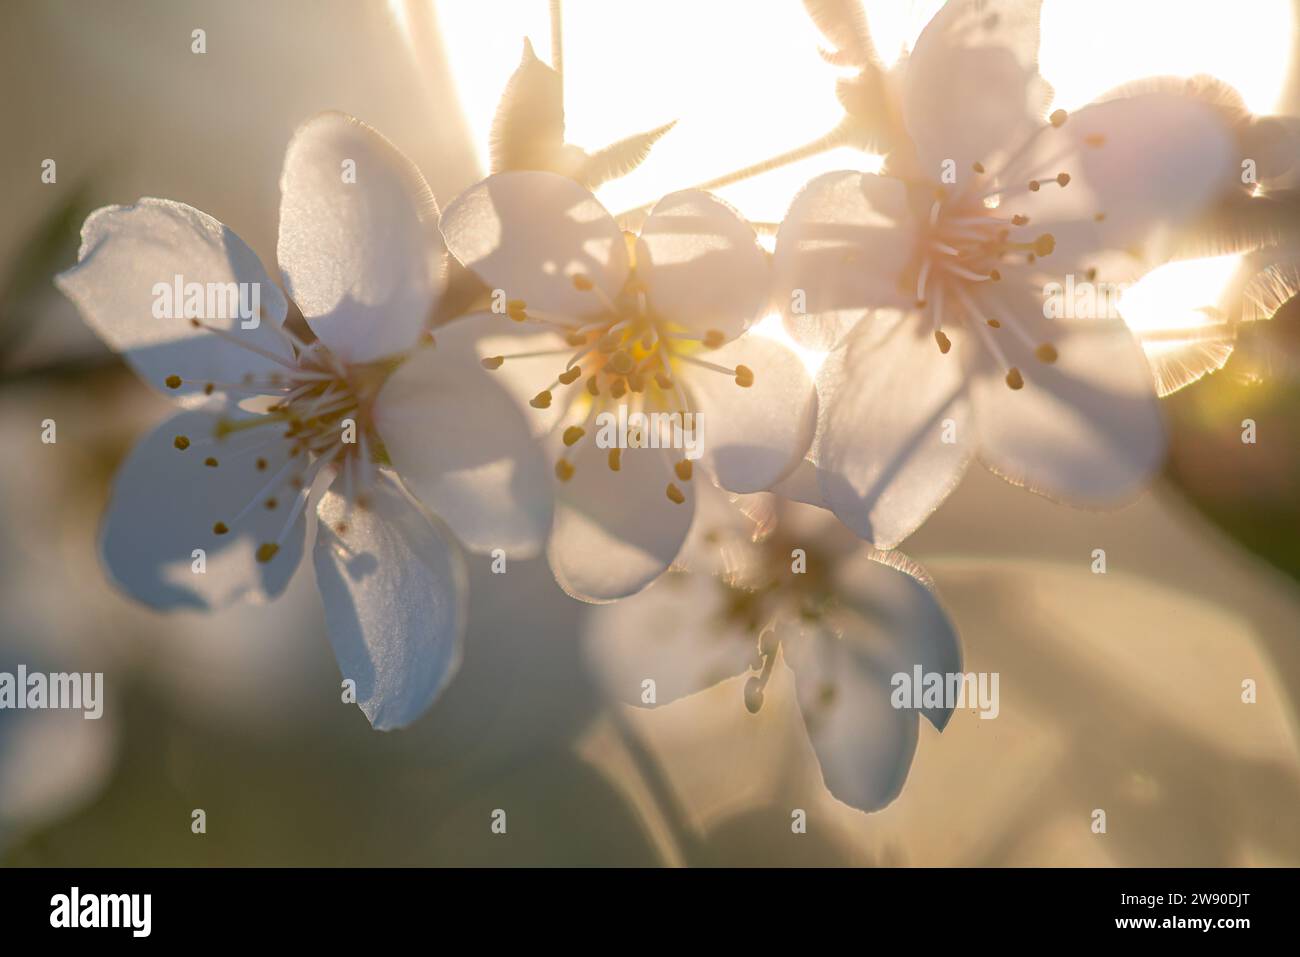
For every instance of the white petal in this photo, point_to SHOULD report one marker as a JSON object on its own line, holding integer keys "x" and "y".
{"x": 702, "y": 264}
{"x": 530, "y": 233}
{"x": 616, "y": 532}
{"x": 166, "y": 501}
{"x": 394, "y": 589}
{"x": 901, "y": 617}
{"x": 463, "y": 446}
{"x": 673, "y": 634}
{"x": 1086, "y": 428}
{"x": 863, "y": 743}
{"x": 362, "y": 259}
{"x": 890, "y": 401}
{"x": 971, "y": 90}
{"x": 127, "y": 251}
{"x": 753, "y": 437}
{"x": 1135, "y": 163}
{"x": 841, "y": 250}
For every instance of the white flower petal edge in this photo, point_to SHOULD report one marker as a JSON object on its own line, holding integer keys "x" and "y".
{"x": 130, "y": 253}
{"x": 475, "y": 464}
{"x": 530, "y": 233}
{"x": 395, "y": 599}
{"x": 754, "y": 437}
{"x": 166, "y": 503}
{"x": 895, "y": 434}
{"x": 359, "y": 245}
{"x": 605, "y": 546}
{"x": 702, "y": 264}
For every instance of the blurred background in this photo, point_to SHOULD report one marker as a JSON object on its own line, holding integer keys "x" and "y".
{"x": 1120, "y": 691}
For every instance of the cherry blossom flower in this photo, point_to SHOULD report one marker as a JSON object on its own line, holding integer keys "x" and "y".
{"x": 842, "y": 616}
{"x": 282, "y": 438}
{"x": 944, "y": 286}
{"x": 652, "y": 323}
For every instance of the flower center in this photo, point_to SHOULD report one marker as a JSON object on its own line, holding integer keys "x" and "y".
{"x": 970, "y": 243}
{"x": 320, "y": 408}
{"x": 627, "y": 353}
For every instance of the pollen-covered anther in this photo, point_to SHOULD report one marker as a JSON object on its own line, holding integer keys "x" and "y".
{"x": 593, "y": 386}
{"x": 714, "y": 338}
{"x": 1035, "y": 186}
{"x": 1044, "y": 244}
{"x": 684, "y": 470}
{"x": 220, "y": 528}
{"x": 173, "y": 381}
{"x": 1058, "y": 118}
{"x": 744, "y": 376}
{"x": 615, "y": 459}
{"x": 943, "y": 341}
{"x": 181, "y": 442}
{"x": 570, "y": 376}
{"x": 977, "y": 167}
{"x": 267, "y": 551}
{"x": 995, "y": 275}
{"x": 210, "y": 462}
{"x": 620, "y": 363}
{"x": 576, "y": 338}
{"x": 261, "y": 465}
{"x": 1046, "y": 353}
{"x": 517, "y": 310}
{"x": 564, "y": 470}
{"x": 1014, "y": 379}
{"x": 492, "y": 362}
{"x": 674, "y": 494}
{"x": 573, "y": 433}
{"x": 542, "y": 400}
{"x": 619, "y": 388}
{"x": 1063, "y": 179}
{"x": 582, "y": 283}
{"x": 1018, "y": 220}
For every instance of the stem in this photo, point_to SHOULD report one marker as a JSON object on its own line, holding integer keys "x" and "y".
{"x": 839, "y": 136}
{"x": 557, "y": 39}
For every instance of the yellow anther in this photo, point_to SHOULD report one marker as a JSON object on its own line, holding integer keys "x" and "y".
{"x": 582, "y": 283}
{"x": 573, "y": 433}
{"x": 1099, "y": 218}
{"x": 593, "y": 386}
{"x": 675, "y": 494}
{"x": 517, "y": 310}
{"x": 1063, "y": 179}
{"x": 995, "y": 275}
{"x": 542, "y": 400}
{"x": 1046, "y": 352}
{"x": 1018, "y": 220}
{"x": 1014, "y": 379}
{"x": 978, "y": 167}
{"x": 576, "y": 338}
{"x": 564, "y": 470}
{"x": 619, "y": 388}
{"x": 620, "y": 363}
{"x": 570, "y": 376}
{"x": 683, "y": 470}
{"x": 209, "y": 389}
{"x": 173, "y": 381}
{"x": 261, "y": 465}
{"x": 609, "y": 342}
{"x": 1058, "y": 118}
{"x": 492, "y": 362}
{"x": 267, "y": 551}
{"x": 664, "y": 379}
{"x": 210, "y": 462}
{"x": 744, "y": 376}
{"x": 1034, "y": 186}
{"x": 220, "y": 528}
{"x": 1044, "y": 244}
{"x": 1095, "y": 140}
{"x": 993, "y": 323}
{"x": 181, "y": 442}
{"x": 271, "y": 503}
{"x": 944, "y": 342}
{"x": 636, "y": 382}
{"x": 714, "y": 338}
{"x": 615, "y": 459}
